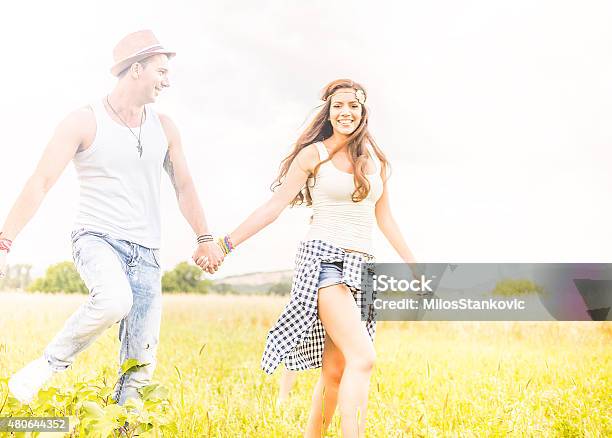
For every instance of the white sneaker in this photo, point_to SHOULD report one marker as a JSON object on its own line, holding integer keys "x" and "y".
{"x": 25, "y": 383}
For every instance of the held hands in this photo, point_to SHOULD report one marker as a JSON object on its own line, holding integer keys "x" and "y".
{"x": 208, "y": 256}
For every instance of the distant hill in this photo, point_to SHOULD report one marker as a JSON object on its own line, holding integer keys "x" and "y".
{"x": 256, "y": 281}
{"x": 258, "y": 278}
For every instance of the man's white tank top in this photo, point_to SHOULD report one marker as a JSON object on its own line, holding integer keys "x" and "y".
{"x": 119, "y": 190}
{"x": 336, "y": 218}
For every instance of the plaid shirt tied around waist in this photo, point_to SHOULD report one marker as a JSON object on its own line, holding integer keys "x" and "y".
{"x": 298, "y": 336}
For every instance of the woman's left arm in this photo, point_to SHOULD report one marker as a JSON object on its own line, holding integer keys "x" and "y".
{"x": 388, "y": 226}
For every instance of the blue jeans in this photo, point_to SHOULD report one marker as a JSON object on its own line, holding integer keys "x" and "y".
{"x": 124, "y": 282}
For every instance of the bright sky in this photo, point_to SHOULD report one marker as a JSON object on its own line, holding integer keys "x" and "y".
{"x": 496, "y": 116}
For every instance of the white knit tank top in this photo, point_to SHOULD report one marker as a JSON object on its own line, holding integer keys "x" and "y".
{"x": 119, "y": 190}
{"x": 336, "y": 218}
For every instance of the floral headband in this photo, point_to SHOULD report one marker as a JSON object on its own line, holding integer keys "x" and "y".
{"x": 359, "y": 95}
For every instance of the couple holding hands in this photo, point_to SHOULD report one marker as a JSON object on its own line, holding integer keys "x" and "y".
{"x": 119, "y": 146}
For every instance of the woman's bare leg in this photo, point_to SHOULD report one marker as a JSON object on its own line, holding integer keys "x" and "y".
{"x": 286, "y": 383}
{"x": 325, "y": 394}
{"x": 342, "y": 321}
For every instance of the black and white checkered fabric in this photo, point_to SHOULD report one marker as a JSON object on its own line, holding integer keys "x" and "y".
{"x": 298, "y": 336}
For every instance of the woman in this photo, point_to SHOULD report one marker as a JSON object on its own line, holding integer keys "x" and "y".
{"x": 286, "y": 383}
{"x": 337, "y": 168}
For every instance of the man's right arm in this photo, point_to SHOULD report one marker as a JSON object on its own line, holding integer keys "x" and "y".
{"x": 68, "y": 137}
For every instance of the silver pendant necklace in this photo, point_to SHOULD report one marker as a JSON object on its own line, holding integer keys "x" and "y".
{"x": 137, "y": 137}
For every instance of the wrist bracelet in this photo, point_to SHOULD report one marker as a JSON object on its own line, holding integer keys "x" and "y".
{"x": 226, "y": 244}
{"x": 205, "y": 238}
{"x": 5, "y": 244}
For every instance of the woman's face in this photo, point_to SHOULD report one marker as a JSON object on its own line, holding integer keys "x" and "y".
{"x": 345, "y": 111}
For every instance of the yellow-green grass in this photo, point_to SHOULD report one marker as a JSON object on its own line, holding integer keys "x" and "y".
{"x": 431, "y": 378}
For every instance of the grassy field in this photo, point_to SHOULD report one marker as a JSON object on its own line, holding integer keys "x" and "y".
{"x": 431, "y": 378}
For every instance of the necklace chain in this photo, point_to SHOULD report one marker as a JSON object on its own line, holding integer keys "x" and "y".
{"x": 137, "y": 137}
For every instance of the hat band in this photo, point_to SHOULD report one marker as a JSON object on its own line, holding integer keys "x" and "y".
{"x": 149, "y": 49}
{"x": 155, "y": 48}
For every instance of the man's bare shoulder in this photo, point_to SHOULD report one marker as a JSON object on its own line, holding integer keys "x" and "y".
{"x": 166, "y": 121}
{"x": 78, "y": 128}
{"x": 169, "y": 127}
{"x": 82, "y": 120}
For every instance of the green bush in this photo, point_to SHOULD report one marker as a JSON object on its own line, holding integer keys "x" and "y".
{"x": 61, "y": 277}
{"x": 513, "y": 287}
{"x": 185, "y": 278}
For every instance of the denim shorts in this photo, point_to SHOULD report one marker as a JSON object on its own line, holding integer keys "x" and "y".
{"x": 330, "y": 274}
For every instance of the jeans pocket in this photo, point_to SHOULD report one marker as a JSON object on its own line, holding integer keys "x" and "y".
{"x": 74, "y": 236}
{"x": 77, "y": 234}
{"x": 76, "y": 247}
{"x": 155, "y": 255}
{"x": 76, "y": 253}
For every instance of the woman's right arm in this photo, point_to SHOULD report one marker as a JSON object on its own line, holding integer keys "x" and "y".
{"x": 295, "y": 179}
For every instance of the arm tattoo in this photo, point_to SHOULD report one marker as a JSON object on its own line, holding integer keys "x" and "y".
{"x": 169, "y": 168}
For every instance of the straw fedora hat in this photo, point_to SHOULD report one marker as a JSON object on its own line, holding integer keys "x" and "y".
{"x": 136, "y": 47}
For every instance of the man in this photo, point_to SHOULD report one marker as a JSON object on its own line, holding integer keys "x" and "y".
{"x": 119, "y": 146}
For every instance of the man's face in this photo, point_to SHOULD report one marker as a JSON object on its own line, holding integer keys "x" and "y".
{"x": 153, "y": 77}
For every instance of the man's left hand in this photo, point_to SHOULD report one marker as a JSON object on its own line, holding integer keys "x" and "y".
{"x": 208, "y": 256}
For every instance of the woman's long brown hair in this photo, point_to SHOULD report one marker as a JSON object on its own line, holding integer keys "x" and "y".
{"x": 320, "y": 129}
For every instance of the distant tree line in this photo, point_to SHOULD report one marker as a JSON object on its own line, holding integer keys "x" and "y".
{"x": 184, "y": 278}
{"x": 17, "y": 277}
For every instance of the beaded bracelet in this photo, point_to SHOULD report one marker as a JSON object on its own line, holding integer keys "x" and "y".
{"x": 226, "y": 244}
{"x": 5, "y": 244}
